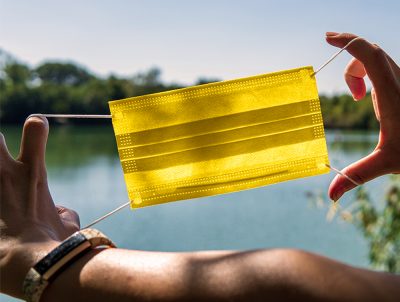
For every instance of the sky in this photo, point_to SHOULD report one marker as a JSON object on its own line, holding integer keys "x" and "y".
{"x": 188, "y": 39}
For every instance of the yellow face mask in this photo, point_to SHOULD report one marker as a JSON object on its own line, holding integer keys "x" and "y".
{"x": 220, "y": 137}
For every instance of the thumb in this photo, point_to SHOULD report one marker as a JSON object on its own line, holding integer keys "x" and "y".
{"x": 367, "y": 168}
{"x": 34, "y": 139}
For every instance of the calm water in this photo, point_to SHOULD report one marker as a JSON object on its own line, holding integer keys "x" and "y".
{"x": 85, "y": 174}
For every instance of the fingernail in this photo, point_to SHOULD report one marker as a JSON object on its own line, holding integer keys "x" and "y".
{"x": 331, "y": 34}
{"x": 38, "y": 116}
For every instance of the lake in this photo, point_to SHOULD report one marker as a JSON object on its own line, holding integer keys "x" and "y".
{"x": 85, "y": 174}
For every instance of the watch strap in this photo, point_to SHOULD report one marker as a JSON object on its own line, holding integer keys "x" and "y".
{"x": 38, "y": 277}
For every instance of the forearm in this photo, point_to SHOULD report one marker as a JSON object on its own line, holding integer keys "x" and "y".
{"x": 122, "y": 275}
{"x": 119, "y": 275}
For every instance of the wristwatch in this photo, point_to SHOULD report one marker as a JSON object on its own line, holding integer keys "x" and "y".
{"x": 39, "y": 276}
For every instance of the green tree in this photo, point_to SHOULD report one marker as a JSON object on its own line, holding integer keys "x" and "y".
{"x": 16, "y": 74}
{"x": 341, "y": 111}
{"x": 379, "y": 224}
{"x": 16, "y": 97}
{"x": 63, "y": 73}
{"x": 381, "y": 227}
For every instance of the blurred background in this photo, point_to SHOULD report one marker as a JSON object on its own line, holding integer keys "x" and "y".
{"x": 74, "y": 56}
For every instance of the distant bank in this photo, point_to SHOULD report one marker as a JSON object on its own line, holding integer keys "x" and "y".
{"x": 67, "y": 87}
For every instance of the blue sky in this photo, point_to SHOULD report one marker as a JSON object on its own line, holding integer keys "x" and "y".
{"x": 188, "y": 39}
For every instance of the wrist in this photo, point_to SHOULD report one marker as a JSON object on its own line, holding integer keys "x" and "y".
{"x": 21, "y": 258}
{"x": 45, "y": 271}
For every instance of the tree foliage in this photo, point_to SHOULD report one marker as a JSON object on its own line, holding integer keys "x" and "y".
{"x": 381, "y": 227}
{"x": 343, "y": 112}
{"x": 66, "y": 87}
{"x": 62, "y": 74}
{"x": 55, "y": 87}
{"x": 379, "y": 223}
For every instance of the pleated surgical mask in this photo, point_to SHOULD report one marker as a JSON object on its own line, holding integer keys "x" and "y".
{"x": 220, "y": 137}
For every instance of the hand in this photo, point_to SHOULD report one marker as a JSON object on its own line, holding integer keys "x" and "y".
{"x": 30, "y": 224}
{"x": 369, "y": 59}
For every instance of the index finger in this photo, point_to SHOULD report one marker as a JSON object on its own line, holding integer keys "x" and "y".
{"x": 372, "y": 56}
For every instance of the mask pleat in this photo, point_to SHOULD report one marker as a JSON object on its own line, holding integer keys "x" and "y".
{"x": 226, "y": 122}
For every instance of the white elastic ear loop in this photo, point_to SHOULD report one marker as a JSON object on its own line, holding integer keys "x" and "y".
{"x": 83, "y": 116}
{"x": 344, "y": 175}
{"x": 334, "y": 56}
{"x": 106, "y": 215}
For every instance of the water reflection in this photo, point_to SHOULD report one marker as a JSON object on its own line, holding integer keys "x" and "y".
{"x": 351, "y": 142}
{"x": 70, "y": 146}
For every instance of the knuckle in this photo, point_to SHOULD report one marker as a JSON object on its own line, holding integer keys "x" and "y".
{"x": 358, "y": 178}
{"x": 356, "y": 40}
{"x": 354, "y": 175}
{"x": 378, "y": 52}
{"x": 60, "y": 209}
{"x": 73, "y": 214}
{"x": 77, "y": 224}
{"x": 361, "y": 40}
{"x": 349, "y": 36}
{"x": 69, "y": 217}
